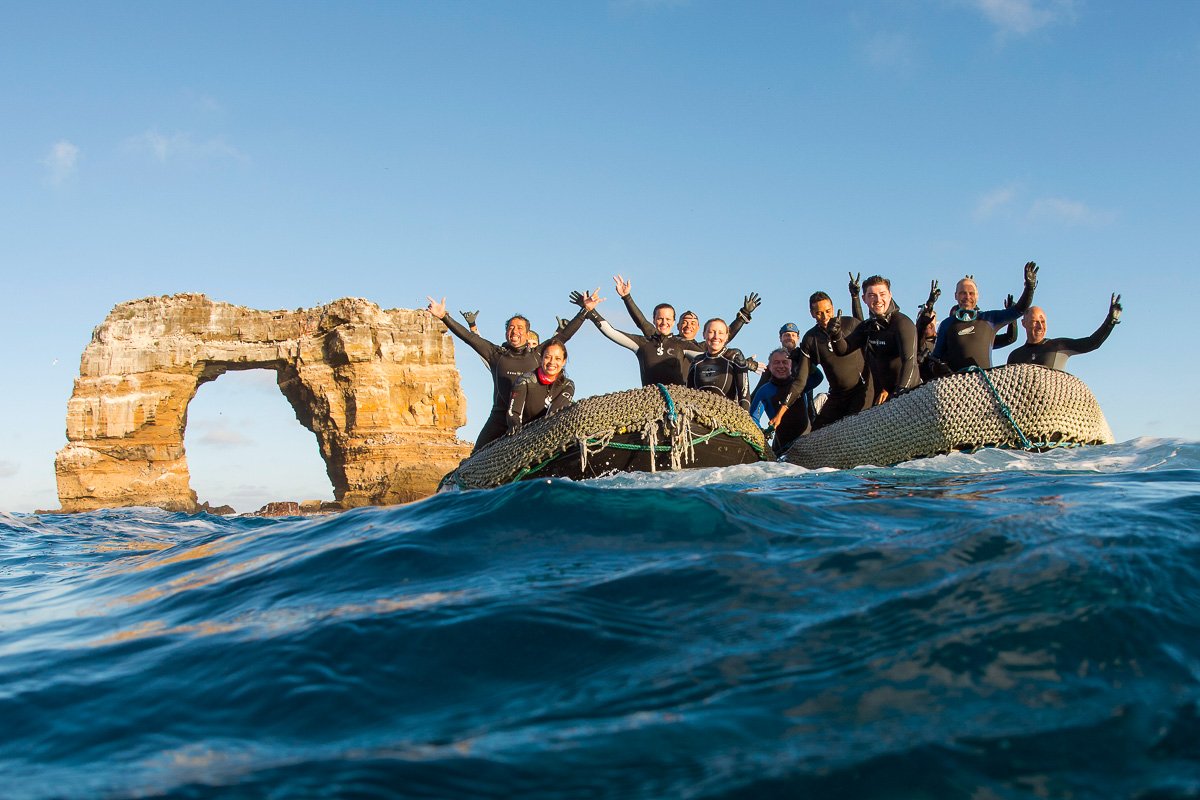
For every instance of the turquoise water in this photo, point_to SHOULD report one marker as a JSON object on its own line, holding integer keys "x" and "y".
{"x": 988, "y": 625}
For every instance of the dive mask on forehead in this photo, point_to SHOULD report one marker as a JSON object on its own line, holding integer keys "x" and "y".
{"x": 966, "y": 314}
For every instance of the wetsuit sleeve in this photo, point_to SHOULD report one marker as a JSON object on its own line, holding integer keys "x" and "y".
{"x": 741, "y": 378}
{"x": 691, "y": 378}
{"x": 516, "y": 405}
{"x": 848, "y": 344}
{"x": 856, "y": 307}
{"x": 940, "y": 344}
{"x": 1005, "y": 339}
{"x": 1074, "y": 347}
{"x": 815, "y": 376}
{"x": 907, "y": 333}
{"x": 801, "y": 367}
{"x": 639, "y": 319}
{"x": 1025, "y": 300}
{"x": 738, "y": 321}
{"x": 614, "y": 335}
{"x": 1001, "y": 317}
{"x": 486, "y": 349}
{"x": 567, "y": 332}
{"x": 564, "y": 397}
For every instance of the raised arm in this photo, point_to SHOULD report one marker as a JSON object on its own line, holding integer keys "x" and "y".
{"x": 1010, "y": 333}
{"x": 483, "y": 347}
{"x": 1090, "y": 343}
{"x": 749, "y": 303}
{"x": 1026, "y": 298}
{"x": 848, "y": 344}
{"x": 856, "y": 296}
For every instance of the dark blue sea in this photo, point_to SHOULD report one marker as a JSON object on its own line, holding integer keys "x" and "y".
{"x": 994, "y": 625}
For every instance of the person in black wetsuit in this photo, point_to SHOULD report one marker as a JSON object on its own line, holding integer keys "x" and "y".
{"x": 888, "y": 338}
{"x": 721, "y": 369}
{"x": 507, "y": 361}
{"x": 543, "y": 391}
{"x": 1053, "y": 353}
{"x": 662, "y": 357}
{"x": 965, "y": 339}
{"x": 849, "y": 378}
{"x": 767, "y": 399}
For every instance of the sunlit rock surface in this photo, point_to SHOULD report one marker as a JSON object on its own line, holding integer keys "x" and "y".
{"x": 377, "y": 387}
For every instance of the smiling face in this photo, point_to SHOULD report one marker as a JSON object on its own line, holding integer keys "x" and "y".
{"x": 789, "y": 339}
{"x": 966, "y": 294}
{"x": 822, "y": 312}
{"x": 553, "y": 359}
{"x": 689, "y": 324}
{"x": 664, "y": 320}
{"x": 780, "y": 366}
{"x": 517, "y": 332}
{"x": 1034, "y": 323}
{"x": 716, "y": 334}
{"x": 878, "y": 298}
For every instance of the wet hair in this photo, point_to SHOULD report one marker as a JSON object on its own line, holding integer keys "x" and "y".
{"x": 660, "y": 307}
{"x": 716, "y": 319}
{"x": 817, "y": 297}
{"x": 778, "y": 350}
{"x": 534, "y": 335}
{"x": 521, "y": 317}
{"x": 875, "y": 280}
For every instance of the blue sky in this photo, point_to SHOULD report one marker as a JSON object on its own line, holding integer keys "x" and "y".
{"x": 278, "y": 155}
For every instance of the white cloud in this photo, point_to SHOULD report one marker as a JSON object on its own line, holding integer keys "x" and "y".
{"x": 994, "y": 201}
{"x": 8, "y": 469}
{"x": 1056, "y": 209}
{"x": 1023, "y": 17}
{"x": 61, "y": 161}
{"x": 180, "y": 146}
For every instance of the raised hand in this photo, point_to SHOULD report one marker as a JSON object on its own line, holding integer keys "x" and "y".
{"x": 562, "y": 323}
{"x": 834, "y": 326}
{"x": 934, "y": 294}
{"x": 470, "y": 316}
{"x": 750, "y": 302}
{"x": 436, "y": 308}
{"x": 591, "y": 299}
{"x": 855, "y": 283}
{"x": 579, "y": 298}
{"x": 1114, "y": 309}
{"x": 1031, "y": 273}
{"x": 753, "y": 364}
{"x": 1009, "y": 302}
{"x": 623, "y": 288}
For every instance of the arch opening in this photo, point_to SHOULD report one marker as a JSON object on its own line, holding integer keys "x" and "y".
{"x": 245, "y": 447}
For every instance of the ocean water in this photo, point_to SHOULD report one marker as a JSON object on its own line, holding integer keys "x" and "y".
{"x": 991, "y": 625}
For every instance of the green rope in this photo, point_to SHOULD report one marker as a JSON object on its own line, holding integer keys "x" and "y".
{"x": 1004, "y": 409}
{"x": 670, "y": 403}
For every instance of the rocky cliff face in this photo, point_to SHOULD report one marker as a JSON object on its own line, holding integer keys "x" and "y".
{"x": 377, "y": 387}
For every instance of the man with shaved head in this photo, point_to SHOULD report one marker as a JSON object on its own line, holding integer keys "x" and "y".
{"x": 964, "y": 339}
{"x": 1053, "y": 353}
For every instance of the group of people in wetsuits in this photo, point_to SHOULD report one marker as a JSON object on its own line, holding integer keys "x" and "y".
{"x": 867, "y": 358}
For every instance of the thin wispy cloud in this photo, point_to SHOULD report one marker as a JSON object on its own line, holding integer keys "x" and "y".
{"x": 1071, "y": 212}
{"x": 224, "y": 437}
{"x": 8, "y": 469}
{"x": 61, "y": 161}
{"x": 994, "y": 202}
{"x": 180, "y": 146}
{"x": 1023, "y": 17}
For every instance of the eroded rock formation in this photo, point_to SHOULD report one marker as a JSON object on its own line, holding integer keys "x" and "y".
{"x": 377, "y": 387}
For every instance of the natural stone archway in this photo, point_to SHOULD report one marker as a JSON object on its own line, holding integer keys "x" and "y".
{"x": 377, "y": 387}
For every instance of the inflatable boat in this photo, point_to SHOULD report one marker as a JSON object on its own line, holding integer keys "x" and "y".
{"x": 648, "y": 429}
{"x": 1022, "y": 407}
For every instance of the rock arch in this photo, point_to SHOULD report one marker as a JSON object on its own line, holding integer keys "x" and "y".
{"x": 377, "y": 387}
